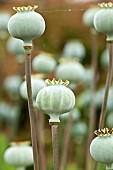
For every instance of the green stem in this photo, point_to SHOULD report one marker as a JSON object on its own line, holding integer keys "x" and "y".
{"x": 65, "y": 145}
{"x": 54, "y": 130}
{"x": 92, "y": 119}
{"x": 107, "y": 86}
{"x": 30, "y": 105}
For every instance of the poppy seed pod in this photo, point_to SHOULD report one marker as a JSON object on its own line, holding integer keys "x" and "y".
{"x": 75, "y": 113}
{"x": 36, "y": 83}
{"x": 19, "y": 155}
{"x": 103, "y": 20}
{"x": 44, "y": 63}
{"x": 74, "y": 49}
{"x": 79, "y": 131}
{"x": 88, "y": 16}
{"x": 4, "y": 18}
{"x": 11, "y": 85}
{"x": 101, "y": 147}
{"x": 26, "y": 24}
{"x": 55, "y": 99}
{"x": 15, "y": 46}
{"x": 104, "y": 58}
{"x": 65, "y": 71}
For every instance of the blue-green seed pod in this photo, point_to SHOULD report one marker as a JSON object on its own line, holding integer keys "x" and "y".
{"x": 15, "y": 46}
{"x": 74, "y": 49}
{"x": 36, "y": 83}
{"x": 26, "y": 24}
{"x": 72, "y": 71}
{"x": 4, "y": 18}
{"x": 44, "y": 63}
{"x": 104, "y": 58}
{"x": 101, "y": 147}
{"x": 103, "y": 20}
{"x": 55, "y": 99}
{"x": 19, "y": 155}
{"x": 88, "y": 16}
{"x": 11, "y": 85}
{"x": 79, "y": 131}
{"x": 75, "y": 113}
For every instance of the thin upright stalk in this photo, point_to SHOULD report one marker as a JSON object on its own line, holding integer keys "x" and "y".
{"x": 30, "y": 105}
{"x": 92, "y": 119}
{"x": 39, "y": 131}
{"x": 65, "y": 146}
{"x": 54, "y": 130}
{"x": 107, "y": 86}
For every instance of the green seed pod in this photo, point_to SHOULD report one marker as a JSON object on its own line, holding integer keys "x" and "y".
{"x": 88, "y": 16}
{"x": 19, "y": 155}
{"x": 36, "y": 83}
{"x": 4, "y": 18}
{"x": 55, "y": 99}
{"x": 72, "y": 71}
{"x": 79, "y": 129}
{"x": 103, "y": 20}
{"x": 88, "y": 76}
{"x": 11, "y": 85}
{"x": 75, "y": 113}
{"x": 104, "y": 58}
{"x": 26, "y": 24}
{"x": 101, "y": 147}
{"x": 74, "y": 49}
{"x": 15, "y": 46}
{"x": 44, "y": 63}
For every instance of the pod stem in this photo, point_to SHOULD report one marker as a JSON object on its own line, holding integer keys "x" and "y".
{"x": 109, "y": 166}
{"x": 54, "y": 130}
{"x": 39, "y": 130}
{"x": 107, "y": 86}
{"x": 92, "y": 119}
{"x": 30, "y": 105}
{"x": 65, "y": 146}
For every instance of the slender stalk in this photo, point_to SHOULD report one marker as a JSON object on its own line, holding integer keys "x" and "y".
{"x": 107, "y": 86}
{"x": 65, "y": 145}
{"x": 30, "y": 105}
{"x": 92, "y": 119}
{"x": 54, "y": 130}
{"x": 39, "y": 131}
